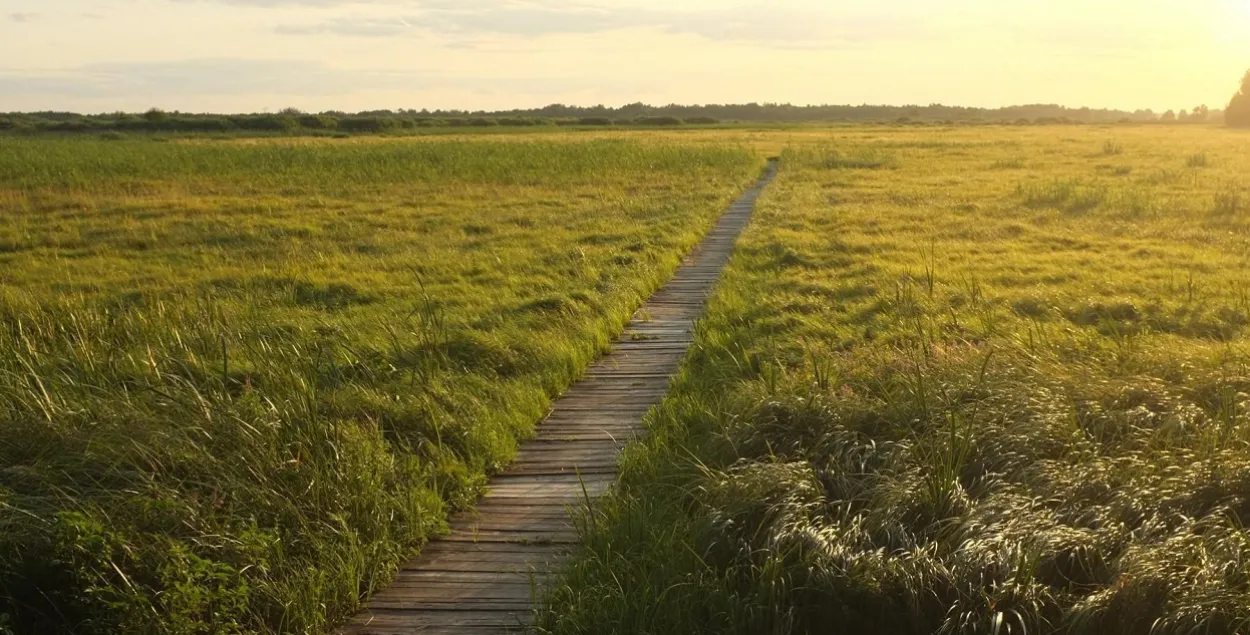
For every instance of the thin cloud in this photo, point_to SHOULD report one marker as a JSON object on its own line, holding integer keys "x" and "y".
{"x": 761, "y": 25}
{"x": 218, "y": 77}
{"x": 269, "y": 4}
{"x": 22, "y": 17}
{"x": 176, "y": 79}
{"x": 1125, "y": 36}
{"x": 391, "y": 27}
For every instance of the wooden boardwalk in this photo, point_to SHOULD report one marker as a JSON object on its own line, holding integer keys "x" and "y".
{"x": 485, "y": 577}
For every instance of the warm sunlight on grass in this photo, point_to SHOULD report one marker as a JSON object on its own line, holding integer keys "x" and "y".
{"x": 955, "y": 381}
{"x": 239, "y": 382}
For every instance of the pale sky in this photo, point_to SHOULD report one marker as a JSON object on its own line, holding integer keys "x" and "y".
{"x": 255, "y": 55}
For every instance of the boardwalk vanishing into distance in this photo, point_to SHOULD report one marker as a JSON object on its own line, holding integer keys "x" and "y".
{"x": 485, "y": 576}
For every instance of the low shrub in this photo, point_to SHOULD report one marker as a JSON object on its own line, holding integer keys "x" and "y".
{"x": 318, "y": 122}
{"x": 663, "y": 120}
{"x": 366, "y": 124}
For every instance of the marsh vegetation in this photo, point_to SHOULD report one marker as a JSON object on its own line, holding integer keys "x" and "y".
{"x": 240, "y": 381}
{"x": 938, "y": 392}
{"x": 956, "y": 379}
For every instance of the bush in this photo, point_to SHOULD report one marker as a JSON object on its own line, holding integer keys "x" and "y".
{"x": 201, "y": 124}
{"x": 702, "y": 121}
{"x": 482, "y": 122}
{"x": 663, "y": 120}
{"x": 69, "y": 126}
{"x": 523, "y": 121}
{"x": 594, "y": 121}
{"x": 1237, "y": 114}
{"x": 265, "y": 123}
{"x": 318, "y": 122}
{"x": 366, "y": 124}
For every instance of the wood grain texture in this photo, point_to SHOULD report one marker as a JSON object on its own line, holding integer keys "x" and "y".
{"x": 486, "y": 575}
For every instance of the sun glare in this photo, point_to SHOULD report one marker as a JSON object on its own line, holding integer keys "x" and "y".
{"x": 1239, "y": 14}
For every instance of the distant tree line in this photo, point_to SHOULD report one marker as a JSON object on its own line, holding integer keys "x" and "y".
{"x": 292, "y": 121}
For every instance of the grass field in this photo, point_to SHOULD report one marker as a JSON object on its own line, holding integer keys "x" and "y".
{"x": 968, "y": 379}
{"x": 241, "y": 380}
{"x": 955, "y": 381}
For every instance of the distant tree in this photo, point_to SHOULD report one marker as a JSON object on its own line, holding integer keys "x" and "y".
{"x": 154, "y": 114}
{"x": 1200, "y": 114}
{"x": 1238, "y": 112}
{"x": 1168, "y": 117}
{"x": 1182, "y": 116}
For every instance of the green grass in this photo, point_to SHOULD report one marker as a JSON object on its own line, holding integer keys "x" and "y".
{"x": 937, "y": 398}
{"x": 240, "y": 381}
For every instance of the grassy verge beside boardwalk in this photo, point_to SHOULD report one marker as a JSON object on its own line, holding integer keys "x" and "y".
{"x": 240, "y": 381}
{"x": 978, "y": 381}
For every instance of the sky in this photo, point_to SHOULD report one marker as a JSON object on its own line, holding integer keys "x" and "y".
{"x": 352, "y": 55}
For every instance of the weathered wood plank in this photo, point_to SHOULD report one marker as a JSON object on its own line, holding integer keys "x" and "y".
{"x": 512, "y": 606}
{"x": 390, "y": 619}
{"x": 426, "y": 577}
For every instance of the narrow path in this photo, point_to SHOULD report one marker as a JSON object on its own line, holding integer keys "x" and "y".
{"x": 483, "y": 578}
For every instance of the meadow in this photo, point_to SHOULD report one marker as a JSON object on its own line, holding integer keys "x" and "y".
{"x": 241, "y": 380}
{"x": 961, "y": 380}
{"x": 956, "y": 379}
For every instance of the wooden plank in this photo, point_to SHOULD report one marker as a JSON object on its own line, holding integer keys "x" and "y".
{"x": 403, "y": 629}
{"x": 518, "y": 605}
{"x": 518, "y": 522}
{"x": 563, "y": 499}
{"x": 588, "y": 432}
{"x": 387, "y": 622}
{"x": 544, "y": 490}
{"x": 569, "y": 456}
{"x": 499, "y": 589}
{"x": 527, "y": 525}
{"x": 443, "y": 550}
{"x": 426, "y": 577}
{"x": 504, "y": 509}
{"x": 622, "y": 437}
{"x": 383, "y": 618}
{"x": 494, "y": 568}
{"x": 536, "y": 538}
{"x": 604, "y": 447}
{"x": 496, "y": 564}
{"x": 439, "y": 546}
{"x": 488, "y": 509}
